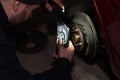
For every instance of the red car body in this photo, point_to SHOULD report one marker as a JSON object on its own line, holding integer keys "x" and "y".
{"x": 108, "y": 17}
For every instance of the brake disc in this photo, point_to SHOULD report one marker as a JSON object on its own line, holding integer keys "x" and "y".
{"x": 84, "y": 36}
{"x": 32, "y": 42}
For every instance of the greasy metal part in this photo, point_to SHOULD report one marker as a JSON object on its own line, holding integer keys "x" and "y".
{"x": 63, "y": 33}
{"x": 77, "y": 38}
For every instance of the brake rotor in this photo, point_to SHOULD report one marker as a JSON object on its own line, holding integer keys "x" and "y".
{"x": 84, "y": 36}
{"x": 32, "y": 42}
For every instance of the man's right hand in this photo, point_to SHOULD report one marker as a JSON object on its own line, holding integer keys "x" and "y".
{"x": 64, "y": 52}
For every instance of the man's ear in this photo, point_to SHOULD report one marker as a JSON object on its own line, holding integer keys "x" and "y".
{"x": 16, "y": 5}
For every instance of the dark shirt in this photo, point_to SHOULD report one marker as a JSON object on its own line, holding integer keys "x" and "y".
{"x": 10, "y": 67}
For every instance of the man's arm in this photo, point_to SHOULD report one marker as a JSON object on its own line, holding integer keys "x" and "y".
{"x": 62, "y": 67}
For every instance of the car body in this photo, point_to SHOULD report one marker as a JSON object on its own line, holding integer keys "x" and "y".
{"x": 107, "y": 13}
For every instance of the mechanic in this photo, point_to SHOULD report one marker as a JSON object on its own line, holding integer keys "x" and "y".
{"x": 16, "y": 11}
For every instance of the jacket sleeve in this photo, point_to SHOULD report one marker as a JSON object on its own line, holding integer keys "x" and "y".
{"x": 60, "y": 71}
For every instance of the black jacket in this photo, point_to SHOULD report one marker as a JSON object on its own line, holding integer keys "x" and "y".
{"x": 10, "y": 67}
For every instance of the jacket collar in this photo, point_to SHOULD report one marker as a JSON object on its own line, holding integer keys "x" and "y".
{"x": 4, "y": 22}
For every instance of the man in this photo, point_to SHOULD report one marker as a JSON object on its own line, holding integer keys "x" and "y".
{"x": 16, "y": 11}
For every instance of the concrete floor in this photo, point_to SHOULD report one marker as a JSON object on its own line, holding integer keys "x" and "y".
{"x": 40, "y": 61}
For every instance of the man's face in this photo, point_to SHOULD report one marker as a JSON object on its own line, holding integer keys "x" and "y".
{"x": 25, "y": 13}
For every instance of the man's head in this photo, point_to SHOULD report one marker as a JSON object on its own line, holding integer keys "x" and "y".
{"x": 20, "y": 10}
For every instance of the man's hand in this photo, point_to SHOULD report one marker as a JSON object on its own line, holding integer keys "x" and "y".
{"x": 64, "y": 52}
{"x": 49, "y": 7}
